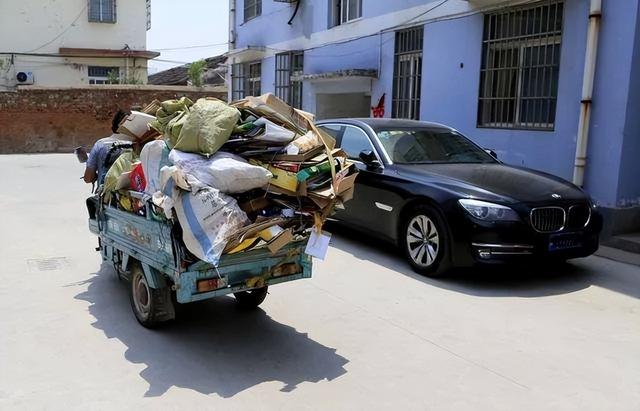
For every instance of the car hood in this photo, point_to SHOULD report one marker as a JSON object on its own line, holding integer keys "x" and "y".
{"x": 494, "y": 181}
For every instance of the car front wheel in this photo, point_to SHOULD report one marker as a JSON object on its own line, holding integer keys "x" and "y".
{"x": 424, "y": 242}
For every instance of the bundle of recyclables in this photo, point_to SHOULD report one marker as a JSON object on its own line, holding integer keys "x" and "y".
{"x": 255, "y": 173}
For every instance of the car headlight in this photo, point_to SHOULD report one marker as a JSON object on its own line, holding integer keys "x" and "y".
{"x": 486, "y": 211}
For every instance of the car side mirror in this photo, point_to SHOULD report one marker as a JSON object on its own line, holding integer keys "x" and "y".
{"x": 370, "y": 159}
{"x": 491, "y": 153}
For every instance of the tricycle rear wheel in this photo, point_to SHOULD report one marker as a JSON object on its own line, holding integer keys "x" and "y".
{"x": 151, "y": 306}
{"x": 251, "y": 298}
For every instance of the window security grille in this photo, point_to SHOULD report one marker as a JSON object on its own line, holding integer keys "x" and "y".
{"x": 252, "y": 9}
{"x": 407, "y": 73}
{"x": 102, "y": 11}
{"x": 245, "y": 80}
{"x": 253, "y": 81}
{"x": 520, "y": 67}
{"x": 289, "y": 66}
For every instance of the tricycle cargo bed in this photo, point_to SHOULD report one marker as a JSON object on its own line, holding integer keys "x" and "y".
{"x": 126, "y": 238}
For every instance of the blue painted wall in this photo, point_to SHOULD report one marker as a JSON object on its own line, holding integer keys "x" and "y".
{"x": 450, "y": 92}
{"x": 629, "y": 178}
{"x": 271, "y": 26}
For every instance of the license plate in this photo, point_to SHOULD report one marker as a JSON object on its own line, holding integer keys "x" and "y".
{"x": 564, "y": 242}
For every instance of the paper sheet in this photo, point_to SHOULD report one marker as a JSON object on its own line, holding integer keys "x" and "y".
{"x": 318, "y": 244}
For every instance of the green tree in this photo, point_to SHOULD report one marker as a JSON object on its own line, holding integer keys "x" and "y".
{"x": 113, "y": 77}
{"x": 195, "y": 71}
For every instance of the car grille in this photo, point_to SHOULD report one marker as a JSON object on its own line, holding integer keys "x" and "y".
{"x": 548, "y": 219}
{"x": 578, "y": 217}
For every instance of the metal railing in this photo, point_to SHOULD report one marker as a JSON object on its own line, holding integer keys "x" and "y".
{"x": 520, "y": 66}
{"x": 407, "y": 73}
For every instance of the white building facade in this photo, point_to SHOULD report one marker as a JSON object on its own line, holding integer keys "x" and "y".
{"x": 73, "y": 42}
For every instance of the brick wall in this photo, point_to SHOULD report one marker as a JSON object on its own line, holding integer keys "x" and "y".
{"x": 41, "y": 120}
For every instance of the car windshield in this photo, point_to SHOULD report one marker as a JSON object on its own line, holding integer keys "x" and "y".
{"x": 430, "y": 145}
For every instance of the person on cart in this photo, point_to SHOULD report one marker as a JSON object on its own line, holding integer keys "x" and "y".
{"x": 105, "y": 151}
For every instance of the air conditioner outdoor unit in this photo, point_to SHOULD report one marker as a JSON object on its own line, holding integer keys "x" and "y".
{"x": 25, "y": 77}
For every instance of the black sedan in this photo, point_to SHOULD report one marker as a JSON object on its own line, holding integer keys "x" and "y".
{"x": 448, "y": 203}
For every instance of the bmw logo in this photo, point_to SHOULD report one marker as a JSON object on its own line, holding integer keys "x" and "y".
{"x": 556, "y": 196}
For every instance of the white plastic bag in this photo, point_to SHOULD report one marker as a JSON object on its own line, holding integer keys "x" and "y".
{"x": 154, "y": 156}
{"x": 223, "y": 171}
{"x": 274, "y": 132}
{"x": 208, "y": 217}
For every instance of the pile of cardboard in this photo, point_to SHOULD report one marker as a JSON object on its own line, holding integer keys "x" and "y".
{"x": 309, "y": 176}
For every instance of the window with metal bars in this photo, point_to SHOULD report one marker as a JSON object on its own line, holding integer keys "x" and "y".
{"x": 520, "y": 67}
{"x": 289, "y": 69}
{"x": 252, "y": 9}
{"x": 407, "y": 73}
{"x": 253, "y": 81}
{"x": 245, "y": 80}
{"x": 102, "y": 11}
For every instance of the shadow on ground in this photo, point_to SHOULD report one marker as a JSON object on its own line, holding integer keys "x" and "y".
{"x": 213, "y": 348}
{"x": 499, "y": 281}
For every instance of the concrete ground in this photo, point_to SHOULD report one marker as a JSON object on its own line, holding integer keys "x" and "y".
{"x": 364, "y": 333}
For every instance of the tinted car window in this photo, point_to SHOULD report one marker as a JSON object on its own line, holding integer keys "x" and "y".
{"x": 430, "y": 145}
{"x": 354, "y": 141}
{"x": 333, "y": 130}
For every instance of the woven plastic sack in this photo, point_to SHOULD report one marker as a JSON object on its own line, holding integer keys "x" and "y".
{"x": 208, "y": 218}
{"x": 123, "y": 164}
{"x": 171, "y": 116}
{"x": 154, "y": 156}
{"x": 206, "y": 128}
{"x": 223, "y": 171}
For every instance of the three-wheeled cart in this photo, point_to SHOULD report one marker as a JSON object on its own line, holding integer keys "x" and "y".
{"x": 147, "y": 252}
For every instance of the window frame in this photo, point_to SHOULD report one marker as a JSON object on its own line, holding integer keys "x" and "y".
{"x": 101, "y": 13}
{"x": 339, "y": 12}
{"x": 242, "y": 83}
{"x": 409, "y": 46}
{"x": 255, "y": 8}
{"x": 101, "y": 79}
{"x": 493, "y": 75}
{"x": 289, "y": 66}
{"x": 253, "y": 68}
{"x": 339, "y": 137}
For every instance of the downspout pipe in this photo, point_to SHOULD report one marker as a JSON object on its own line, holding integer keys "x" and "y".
{"x": 595, "y": 15}
{"x": 232, "y": 24}
{"x": 232, "y": 45}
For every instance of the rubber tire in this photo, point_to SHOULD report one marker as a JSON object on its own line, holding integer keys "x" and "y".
{"x": 160, "y": 304}
{"x": 251, "y": 299}
{"x": 442, "y": 264}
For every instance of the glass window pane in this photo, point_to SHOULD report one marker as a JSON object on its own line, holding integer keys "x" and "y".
{"x": 520, "y": 65}
{"x": 354, "y": 9}
{"x": 354, "y": 141}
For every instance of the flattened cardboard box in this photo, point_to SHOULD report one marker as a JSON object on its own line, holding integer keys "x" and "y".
{"x": 279, "y": 241}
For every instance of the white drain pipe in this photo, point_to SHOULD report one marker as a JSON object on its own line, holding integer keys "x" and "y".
{"x": 232, "y": 24}
{"x": 595, "y": 13}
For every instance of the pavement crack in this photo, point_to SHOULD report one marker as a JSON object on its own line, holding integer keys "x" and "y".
{"x": 431, "y": 342}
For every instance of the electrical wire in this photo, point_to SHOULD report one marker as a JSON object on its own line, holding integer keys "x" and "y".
{"x": 385, "y": 30}
{"x": 390, "y": 30}
{"x": 192, "y": 47}
{"x": 63, "y": 31}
